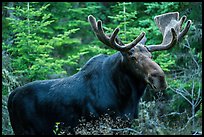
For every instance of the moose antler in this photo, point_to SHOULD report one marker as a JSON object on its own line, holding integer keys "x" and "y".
{"x": 170, "y": 27}
{"x": 111, "y": 41}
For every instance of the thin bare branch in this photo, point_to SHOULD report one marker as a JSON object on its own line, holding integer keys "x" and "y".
{"x": 184, "y": 91}
{"x": 125, "y": 129}
{"x": 189, "y": 120}
{"x": 198, "y": 100}
{"x": 173, "y": 113}
{"x": 188, "y": 46}
{"x": 192, "y": 90}
{"x": 181, "y": 95}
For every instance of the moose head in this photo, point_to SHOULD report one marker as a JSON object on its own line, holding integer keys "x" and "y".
{"x": 136, "y": 55}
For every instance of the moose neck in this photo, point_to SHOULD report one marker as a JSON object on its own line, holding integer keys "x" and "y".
{"x": 118, "y": 70}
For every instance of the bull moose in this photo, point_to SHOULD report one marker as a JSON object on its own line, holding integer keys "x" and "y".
{"x": 105, "y": 84}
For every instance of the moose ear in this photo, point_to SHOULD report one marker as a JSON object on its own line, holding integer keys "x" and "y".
{"x": 143, "y": 41}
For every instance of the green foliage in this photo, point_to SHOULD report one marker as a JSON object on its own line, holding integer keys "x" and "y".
{"x": 162, "y": 7}
{"x": 165, "y": 60}
{"x": 40, "y": 39}
{"x": 31, "y": 51}
{"x": 124, "y": 17}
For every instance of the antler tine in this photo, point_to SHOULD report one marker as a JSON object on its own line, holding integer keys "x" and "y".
{"x": 125, "y": 47}
{"x": 182, "y": 20}
{"x": 111, "y": 41}
{"x": 94, "y": 26}
{"x": 173, "y": 41}
{"x": 185, "y": 30}
{"x": 98, "y": 30}
{"x": 137, "y": 40}
{"x": 104, "y": 38}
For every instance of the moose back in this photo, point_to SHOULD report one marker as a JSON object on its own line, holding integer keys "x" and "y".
{"x": 106, "y": 84}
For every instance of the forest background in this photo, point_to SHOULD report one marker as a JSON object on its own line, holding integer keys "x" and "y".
{"x": 46, "y": 40}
